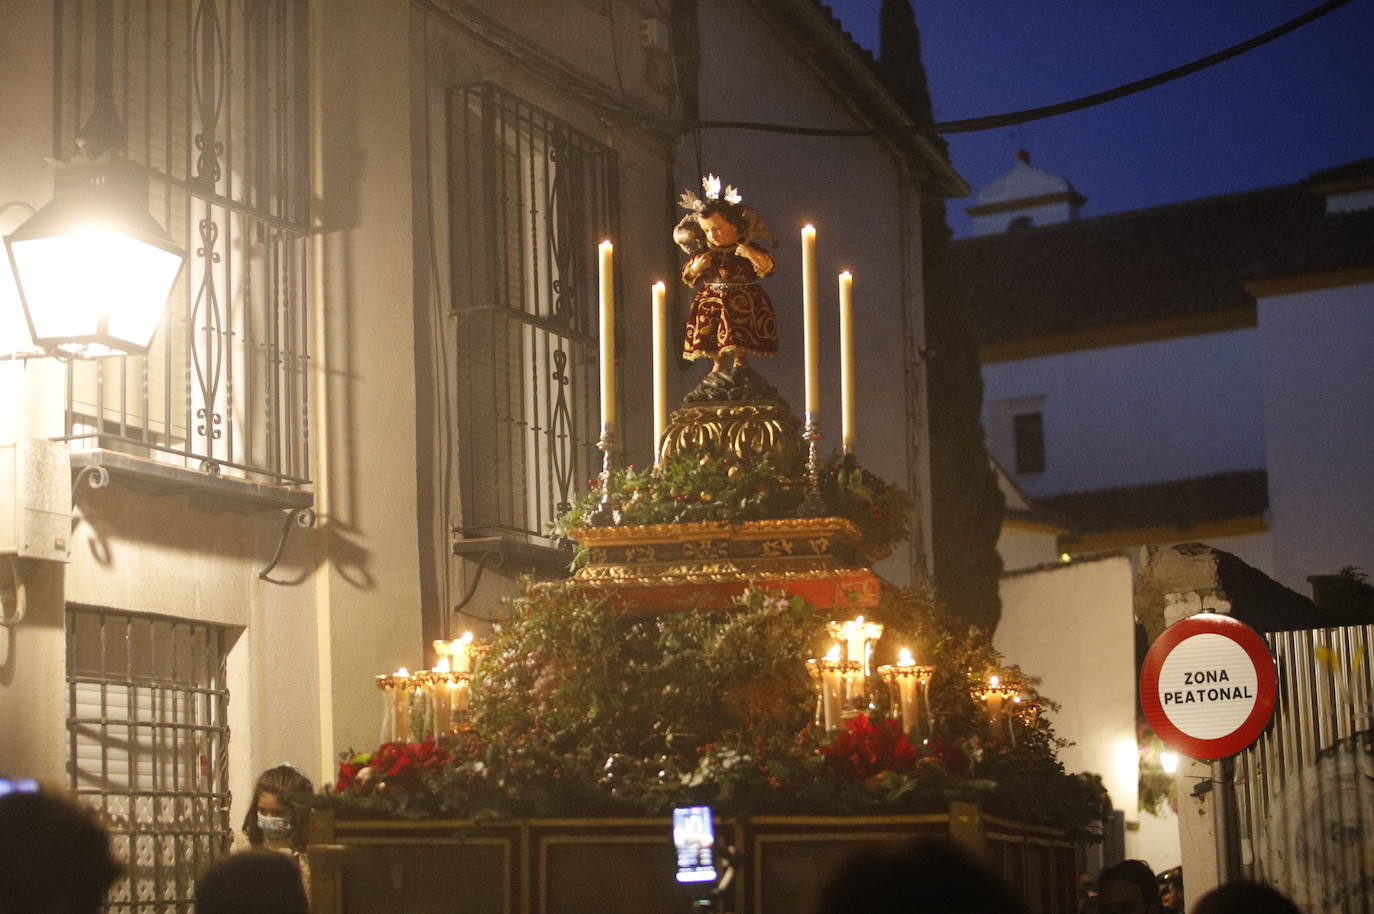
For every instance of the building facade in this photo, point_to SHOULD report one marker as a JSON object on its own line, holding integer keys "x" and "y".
{"x": 375, "y": 383}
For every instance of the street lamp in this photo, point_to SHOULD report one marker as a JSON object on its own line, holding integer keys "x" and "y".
{"x": 93, "y": 267}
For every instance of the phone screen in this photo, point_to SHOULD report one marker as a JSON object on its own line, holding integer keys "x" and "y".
{"x": 695, "y": 840}
{"x": 22, "y": 785}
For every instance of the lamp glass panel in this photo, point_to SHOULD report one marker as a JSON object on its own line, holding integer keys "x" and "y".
{"x": 71, "y": 281}
{"x": 148, "y": 273}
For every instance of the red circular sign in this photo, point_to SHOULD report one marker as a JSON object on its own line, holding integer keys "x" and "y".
{"x": 1208, "y": 686}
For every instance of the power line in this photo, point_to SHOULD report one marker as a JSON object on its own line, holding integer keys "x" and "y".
{"x": 991, "y": 121}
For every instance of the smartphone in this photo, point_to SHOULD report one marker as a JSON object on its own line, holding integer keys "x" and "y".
{"x": 20, "y": 785}
{"x": 695, "y": 839}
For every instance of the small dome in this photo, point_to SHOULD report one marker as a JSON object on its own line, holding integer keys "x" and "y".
{"x": 1024, "y": 182}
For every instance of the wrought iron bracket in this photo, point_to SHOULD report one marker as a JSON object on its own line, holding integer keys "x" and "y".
{"x": 296, "y": 517}
{"x": 96, "y": 475}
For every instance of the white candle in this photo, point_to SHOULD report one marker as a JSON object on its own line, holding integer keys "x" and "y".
{"x": 443, "y": 699}
{"x": 857, "y": 637}
{"x": 606, "y": 330}
{"x": 461, "y": 699}
{"x": 660, "y": 305}
{"x": 401, "y": 696}
{"x": 906, "y": 691}
{"x": 458, "y": 652}
{"x": 811, "y": 322}
{"x": 847, "y": 362}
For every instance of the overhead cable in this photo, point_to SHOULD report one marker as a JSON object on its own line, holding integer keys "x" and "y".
{"x": 989, "y": 122}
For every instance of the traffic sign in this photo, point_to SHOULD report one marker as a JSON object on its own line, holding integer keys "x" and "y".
{"x": 1208, "y": 686}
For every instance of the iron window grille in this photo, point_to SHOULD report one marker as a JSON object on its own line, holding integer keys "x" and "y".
{"x": 149, "y": 736}
{"x": 214, "y": 99}
{"x": 530, "y": 198}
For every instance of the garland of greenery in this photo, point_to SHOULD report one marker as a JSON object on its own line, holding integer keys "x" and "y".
{"x": 580, "y": 711}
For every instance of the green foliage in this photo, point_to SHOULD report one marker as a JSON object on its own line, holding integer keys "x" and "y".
{"x": 690, "y": 489}
{"x": 696, "y": 488}
{"x": 566, "y": 665}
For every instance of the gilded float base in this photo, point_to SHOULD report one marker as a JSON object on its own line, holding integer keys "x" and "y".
{"x": 674, "y": 567}
{"x": 742, "y": 430}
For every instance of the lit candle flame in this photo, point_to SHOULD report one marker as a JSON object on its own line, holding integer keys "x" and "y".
{"x": 442, "y": 665}
{"x": 834, "y": 653}
{"x": 994, "y": 681}
{"x": 401, "y": 672}
{"x": 904, "y": 658}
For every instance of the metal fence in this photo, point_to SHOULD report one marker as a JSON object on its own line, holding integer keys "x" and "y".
{"x": 149, "y": 737}
{"x": 214, "y": 99}
{"x": 530, "y": 197}
{"x": 1305, "y": 789}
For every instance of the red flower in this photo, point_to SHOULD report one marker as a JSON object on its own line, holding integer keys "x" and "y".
{"x": 394, "y": 766}
{"x": 865, "y": 748}
{"x": 954, "y": 759}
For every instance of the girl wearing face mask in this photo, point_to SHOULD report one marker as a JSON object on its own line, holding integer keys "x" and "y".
{"x": 272, "y": 821}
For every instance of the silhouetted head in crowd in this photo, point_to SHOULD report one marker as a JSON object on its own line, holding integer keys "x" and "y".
{"x": 1171, "y": 889}
{"x": 1128, "y": 887}
{"x": 54, "y": 856}
{"x": 1244, "y": 897}
{"x": 927, "y": 877}
{"x": 251, "y": 882}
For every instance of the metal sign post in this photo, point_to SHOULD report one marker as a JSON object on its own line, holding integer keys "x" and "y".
{"x": 1208, "y": 688}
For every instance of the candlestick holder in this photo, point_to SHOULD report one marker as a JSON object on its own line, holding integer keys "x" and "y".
{"x": 399, "y": 688}
{"x": 908, "y": 685}
{"x": 450, "y": 697}
{"x": 856, "y": 638}
{"x": 832, "y": 677}
{"x": 812, "y": 506}
{"x": 995, "y": 697}
{"x": 606, "y": 514}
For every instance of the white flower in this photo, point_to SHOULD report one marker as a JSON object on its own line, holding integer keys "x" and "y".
{"x": 732, "y": 194}
{"x": 711, "y": 184}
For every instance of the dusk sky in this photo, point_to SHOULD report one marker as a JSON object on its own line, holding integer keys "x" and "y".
{"x": 1299, "y": 104}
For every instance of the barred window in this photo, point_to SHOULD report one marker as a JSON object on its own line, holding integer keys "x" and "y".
{"x": 530, "y": 199}
{"x": 149, "y": 733}
{"x": 213, "y": 95}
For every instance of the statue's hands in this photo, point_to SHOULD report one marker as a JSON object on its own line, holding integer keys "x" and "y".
{"x": 696, "y": 266}
{"x": 761, "y": 262}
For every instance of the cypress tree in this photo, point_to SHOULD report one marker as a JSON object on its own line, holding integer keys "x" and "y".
{"x": 966, "y": 504}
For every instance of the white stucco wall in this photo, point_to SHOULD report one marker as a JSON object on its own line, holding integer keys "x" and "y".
{"x": 852, "y": 191}
{"x": 1125, "y": 415}
{"x": 1319, "y": 420}
{"x": 1046, "y": 214}
{"x": 303, "y": 654}
{"x": 1073, "y": 625}
{"x": 1026, "y": 546}
{"x": 367, "y": 591}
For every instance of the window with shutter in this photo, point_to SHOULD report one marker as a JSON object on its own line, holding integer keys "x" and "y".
{"x": 530, "y": 198}
{"x": 149, "y": 737}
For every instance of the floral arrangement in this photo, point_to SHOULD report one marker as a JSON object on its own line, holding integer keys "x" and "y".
{"x": 712, "y": 487}
{"x": 579, "y": 711}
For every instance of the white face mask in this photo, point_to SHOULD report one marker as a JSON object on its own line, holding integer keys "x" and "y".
{"x": 274, "y": 828}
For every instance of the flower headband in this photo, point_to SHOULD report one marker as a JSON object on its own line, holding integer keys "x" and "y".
{"x": 711, "y": 185}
